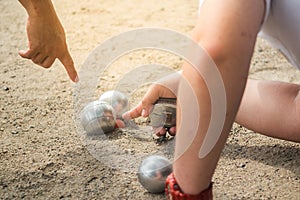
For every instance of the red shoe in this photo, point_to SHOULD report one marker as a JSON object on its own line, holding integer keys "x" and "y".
{"x": 173, "y": 191}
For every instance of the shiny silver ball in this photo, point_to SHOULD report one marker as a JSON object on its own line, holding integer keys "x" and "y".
{"x": 97, "y": 117}
{"x": 153, "y": 172}
{"x": 116, "y": 99}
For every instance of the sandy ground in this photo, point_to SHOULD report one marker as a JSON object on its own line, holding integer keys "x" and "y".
{"x": 43, "y": 157}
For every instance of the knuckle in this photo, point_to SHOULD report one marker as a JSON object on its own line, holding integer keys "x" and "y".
{"x": 35, "y": 61}
{"x": 46, "y": 65}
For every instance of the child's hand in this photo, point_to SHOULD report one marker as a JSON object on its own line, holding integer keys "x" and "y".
{"x": 145, "y": 107}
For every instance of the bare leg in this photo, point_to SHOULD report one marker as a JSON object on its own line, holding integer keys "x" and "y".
{"x": 271, "y": 108}
{"x": 228, "y": 31}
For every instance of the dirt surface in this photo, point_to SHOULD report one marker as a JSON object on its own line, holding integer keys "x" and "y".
{"x": 43, "y": 156}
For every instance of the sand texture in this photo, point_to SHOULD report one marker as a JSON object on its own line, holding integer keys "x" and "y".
{"x": 43, "y": 156}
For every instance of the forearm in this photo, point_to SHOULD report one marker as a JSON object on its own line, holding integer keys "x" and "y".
{"x": 201, "y": 174}
{"x": 227, "y": 31}
{"x": 44, "y": 13}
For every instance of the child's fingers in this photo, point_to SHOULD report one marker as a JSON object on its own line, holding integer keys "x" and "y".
{"x": 142, "y": 109}
{"x": 172, "y": 131}
{"x": 133, "y": 113}
{"x": 120, "y": 123}
{"x": 160, "y": 131}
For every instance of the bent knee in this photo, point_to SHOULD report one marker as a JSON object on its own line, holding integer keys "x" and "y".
{"x": 297, "y": 103}
{"x": 296, "y": 127}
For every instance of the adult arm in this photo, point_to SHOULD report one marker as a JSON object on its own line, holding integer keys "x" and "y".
{"x": 46, "y": 37}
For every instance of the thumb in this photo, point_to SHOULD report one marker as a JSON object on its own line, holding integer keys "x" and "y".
{"x": 26, "y": 53}
{"x": 68, "y": 63}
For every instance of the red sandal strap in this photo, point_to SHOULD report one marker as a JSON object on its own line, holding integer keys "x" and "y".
{"x": 173, "y": 191}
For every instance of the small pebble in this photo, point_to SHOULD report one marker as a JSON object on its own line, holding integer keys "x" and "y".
{"x": 5, "y": 88}
{"x": 241, "y": 165}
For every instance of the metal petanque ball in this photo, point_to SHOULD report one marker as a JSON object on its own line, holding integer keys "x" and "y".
{"x": 116, "y": 99}
{"x": 97, "y": 117}
{"x": 153, "y": 172}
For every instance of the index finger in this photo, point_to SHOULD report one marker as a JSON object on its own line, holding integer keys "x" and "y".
{"x": 68, "y": 63}
{"x": 145, "y": 106}
{"x": 134, "y": 112}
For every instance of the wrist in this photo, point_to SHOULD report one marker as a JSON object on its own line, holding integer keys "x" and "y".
{"x": 37, "y": 7}
{"x": 171, "y": 81}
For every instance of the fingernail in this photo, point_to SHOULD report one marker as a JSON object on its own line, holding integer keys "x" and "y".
{"x": 144, "y": 113}
{"x": 76, "y": 79}
{"x": 126, "y": 116}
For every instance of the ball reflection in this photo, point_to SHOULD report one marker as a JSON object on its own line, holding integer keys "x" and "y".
{"x": 153, "y": 172}
{"x": 97, "y": 117}
{"x": 116, "y": 99}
